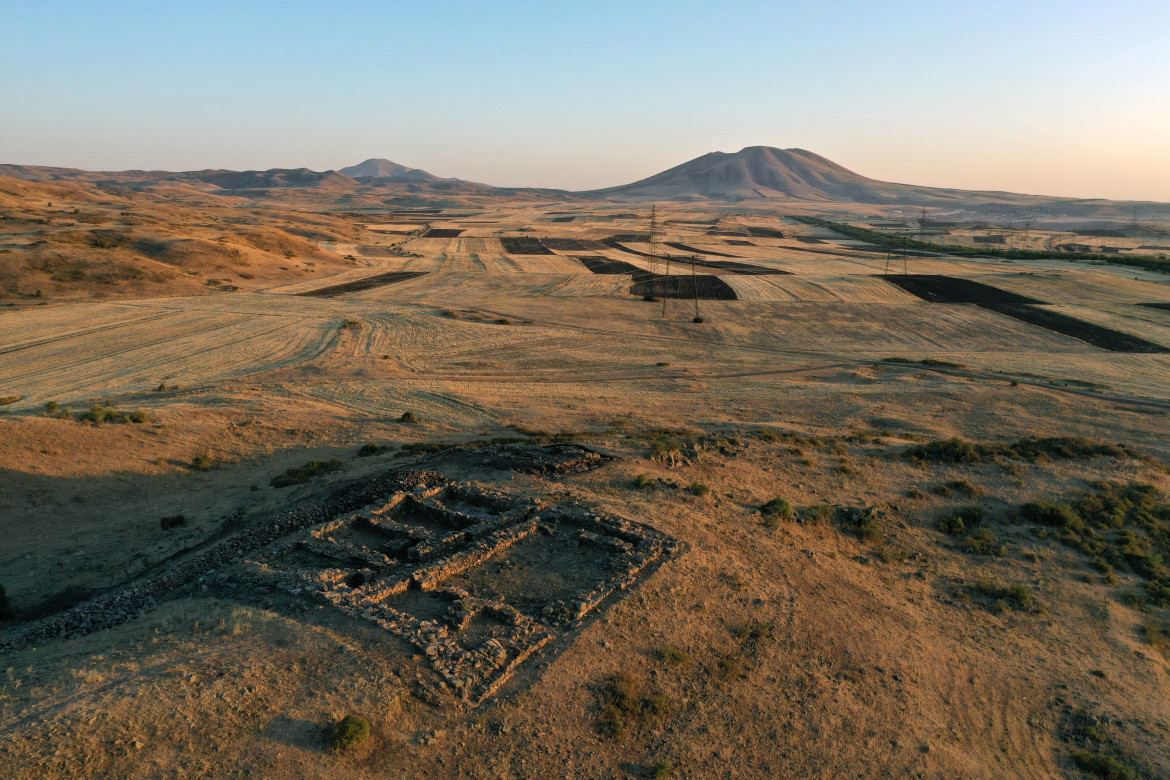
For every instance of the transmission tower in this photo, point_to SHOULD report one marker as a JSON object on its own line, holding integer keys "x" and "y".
{"x": 653, "y": 241}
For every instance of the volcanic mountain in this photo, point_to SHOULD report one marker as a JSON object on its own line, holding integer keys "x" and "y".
{"x": 377, "y": 168}
{"x": 765, "y": 172}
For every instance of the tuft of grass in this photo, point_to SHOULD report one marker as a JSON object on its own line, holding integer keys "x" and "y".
{"x": 1013, "y": 596}
{"x": 641, "y": 481}
{"x": 302, "y": 474}
{"x": 202, "y": 463}
{"x": 348, "y": 733}
{"x": 817, "y": 514}
{"x": 671, "y": 655}
{"x": 728, "y": 666}
{"x": 699, "y": 489}
{"x": 625, "y": 706}
{"x": 1156, "y": 633}
{"x": 754, "y": 631}
{"x": 407, "y": 417}
{"x": 662, "y": 770}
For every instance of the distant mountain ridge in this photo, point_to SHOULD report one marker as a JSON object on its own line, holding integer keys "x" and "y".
{"x": 755, "y": 173}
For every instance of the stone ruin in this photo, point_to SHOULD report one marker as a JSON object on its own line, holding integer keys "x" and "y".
{"x": 476, "y": 579}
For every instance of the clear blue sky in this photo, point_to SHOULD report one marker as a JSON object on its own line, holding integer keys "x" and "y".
{"x": 1063, "y": 98}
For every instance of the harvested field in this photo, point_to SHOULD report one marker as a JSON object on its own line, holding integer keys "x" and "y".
{"x": 524, "y": 245}
{"x": 1097, "y": 335}
{"x": 379, "y": 280}
{"x": 949, "y": 289}
{"x": 695, "y": 250}
{"x": 443, "y": 233}
{"x": 482, "y": 245}
{"x": 844, "y": 289}
{"x": 546, "y": 264}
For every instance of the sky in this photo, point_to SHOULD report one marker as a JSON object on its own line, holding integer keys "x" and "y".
{"x": 1030, "y": 96}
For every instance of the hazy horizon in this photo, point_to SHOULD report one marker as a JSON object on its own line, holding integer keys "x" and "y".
{"x": 1045, "y": 99}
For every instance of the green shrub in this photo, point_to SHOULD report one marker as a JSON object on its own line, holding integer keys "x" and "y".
{"x": 778, "y": 509}
{"x": 699, "y": 489}
{"x": 642, "y": 481}
{"x": 202, "y": 463}
{"x": 7, "y": 612}
{"x": 960, "y": 486}
{"x": 349, "y": 732}
{"x": 662, "y": 770}
{"x": 408, "y": 417}
{"x": 97, "y": 415}
{"x": 957, "y": 451}
{"x": 957, "y": 522}
{"x": 302, "y": 474}
{"x": 817, "y": 514}
{"x": 1103, "y": 766}
{"x": 371, "y": 449}
{"x": 984, "y": 542}
{"x": 1013, "y": 595}
{"x": 171, "y": 521}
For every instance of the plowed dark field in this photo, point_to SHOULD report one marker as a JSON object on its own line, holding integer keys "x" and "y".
{"x": 949, "y": 289}
{"x": 572, "y": 244}
{"x": 1097, "y": 335}
{"x": 599, "y": 264}
{"x": 695, "y": 250}
{"x": 522, "y": 245}
{"x": 705, "y": 287}
{"x": 380, "y": 280}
